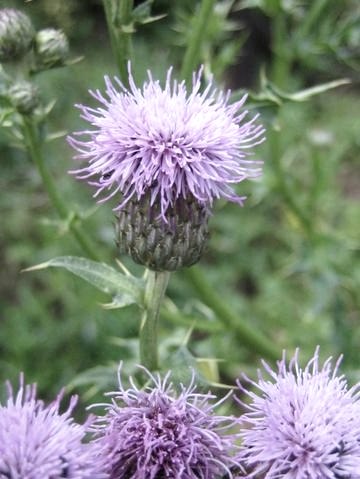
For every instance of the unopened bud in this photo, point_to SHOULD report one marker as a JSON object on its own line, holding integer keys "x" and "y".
{"x": 16, "y": 34}
{"x": 51, "y": 48}
{"x": 163, "y": 246}
{"x": 24, "y": 97}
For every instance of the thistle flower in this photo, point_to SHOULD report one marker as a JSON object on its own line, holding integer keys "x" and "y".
{"x": 37, "y": 441}
{"x": 166, "y": 153}
{"x": 167, "y": 143}
{"x": 302, "y": 424}
{"x": 158, "y": 433}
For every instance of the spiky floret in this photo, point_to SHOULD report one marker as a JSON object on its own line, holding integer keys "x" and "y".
{"x": 166, "y": 142}
{"x": 37, "y": 441}
{"x": 301, "y": 423}
{"x": 157, "y": 432}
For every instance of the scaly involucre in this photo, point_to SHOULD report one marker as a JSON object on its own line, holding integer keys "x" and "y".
{"x": 167, "y": 143}
{"x": 39, "y": 442}
{"x": 302, "y": 423}
{"x": 157, "y": 433}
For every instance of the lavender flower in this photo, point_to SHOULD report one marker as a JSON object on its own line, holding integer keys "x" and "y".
{"x": 302, "y": 424}
{"x": 157, "y": 433}
{"x": 167, "y": 142}
{"x": 37, "y": 441}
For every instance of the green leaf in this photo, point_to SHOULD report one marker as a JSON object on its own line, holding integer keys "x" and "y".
{"x": 124, "y": 289}
{"x": 54, "y": 136}
{"x": 142, "y": 11}
{"x": 154, "y": 18}
{"x": 129, "y": 28}
{"x": 99, "y": 378}
{"x": 304, "y": 95}
{"x": 270, "y": 94}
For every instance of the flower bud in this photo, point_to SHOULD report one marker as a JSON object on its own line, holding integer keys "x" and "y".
{"x": 51, "y": 48}
{"x": 163, "y": 246}
{"x": 24, "y": 97}
{"x": 16, "y": 34}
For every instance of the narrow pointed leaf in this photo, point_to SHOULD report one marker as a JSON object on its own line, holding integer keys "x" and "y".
{"x": 304, "y": 95}
{"x": 124, "y": 289}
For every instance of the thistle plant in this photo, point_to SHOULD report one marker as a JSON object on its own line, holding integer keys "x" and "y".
{"x": 162, "y": 153}
{"x": 167, "y": 155}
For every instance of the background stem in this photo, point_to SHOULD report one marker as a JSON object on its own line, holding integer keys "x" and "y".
{"x": 254, "y": 341}
{"x": 154, "y": 292}
{"x": 33, "y": 145}
{"x": 282, "y": 61}
{"x": 193, "y": 49}
{"x": 118, "y": 15}
{"x": 282, "y": 185}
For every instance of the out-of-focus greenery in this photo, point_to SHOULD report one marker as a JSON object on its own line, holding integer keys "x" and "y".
{"x": 299, "y": 286}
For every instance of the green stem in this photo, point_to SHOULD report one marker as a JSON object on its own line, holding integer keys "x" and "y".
{"x": 281, "y": 50}
{"x": 315, "y": 10}
{"x": 282, "y": 184}
{"x": 33, "y": 144}
{"x": 249, "y": 337}
{"x": 118, "y": 15}
{"x": 154, "y": 293}
{"x": 198, "y": 32}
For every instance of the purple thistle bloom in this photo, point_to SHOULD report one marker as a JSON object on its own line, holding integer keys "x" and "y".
{"x": 37, "y": 441}
{"x": 167, "y": 142}
{"x": 302, "y": 423}
{"x": 158, "y": 433}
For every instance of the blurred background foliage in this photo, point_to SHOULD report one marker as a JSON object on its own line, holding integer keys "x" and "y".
{"x": 287, "y": 263}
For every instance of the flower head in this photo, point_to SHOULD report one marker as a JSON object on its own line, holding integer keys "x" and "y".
{"x": 37, "y": 441}
{"x": 167, "y": 143}
{"x": 24, "y": 96}
{"x": 158, "y": 433}
{"x": 302, "y": 423}
{"x": 16, "y": 34}
{"x": 51, "y": 48}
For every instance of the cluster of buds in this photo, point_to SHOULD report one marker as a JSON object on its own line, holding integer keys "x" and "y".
{"x": 33, "y": 51}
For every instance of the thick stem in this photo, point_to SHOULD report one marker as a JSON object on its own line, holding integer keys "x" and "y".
{"x": 33, "y": 145}
{"x": 248, "y": 336}
{"x": 193, "y": 49}
{"x": 154, "y": 293}
{"x": 118, "y": 16}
